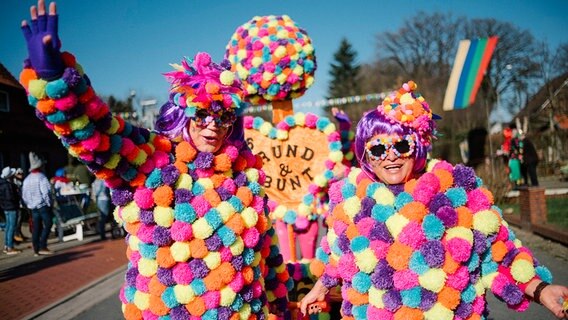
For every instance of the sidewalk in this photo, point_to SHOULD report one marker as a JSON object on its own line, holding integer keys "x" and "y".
{"x": 32, "y": 286}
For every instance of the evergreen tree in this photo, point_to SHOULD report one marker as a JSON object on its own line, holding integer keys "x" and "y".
{"x": 344, "y": 72}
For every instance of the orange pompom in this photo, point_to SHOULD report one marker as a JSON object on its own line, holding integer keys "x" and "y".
{"x": 449, "y": 297}
{"x": 235, "y": 223}
{"x": 26, "y": 76}
{"x": 357, "y": 298}
{"x": 398, "y": 256}
{"x": 410, "y": 185}
{"x": 163, "y": 196}
{"x": 46, "y": 106}
{"x": 218, "y": 179}
{"x": 213, "y": 280}
{"x": 138, "y": 180}
{"x": 147, "y": 148}
{"x": 415, "y": 211}
{"x": 62, "y": 129}
{"x": 248, "y": 274}
{"x": 164, "y": 257}
{"x": 222, "y": 162}
{"x": 185, "y": 152}
{"x": 226, "y": 272}
{"x": 487, "y": 194}
{"x": 163, "y": 143}
{"x": 446, "y": 179}
{"x": 351, "y": 232}
{"x": 155, "y": 287}
{"x": 262, "y": 223}
{"x": 196, "y": 307}
{"x": 131, "y": 312}
{"x": 181, "y": 166}
{"x": 198, "y": 248}
{"x": 465, "y": 217}
{"x": 317, "y": 268}
{"x": 104, "y": 174}
{"x": 450, "y": 265}
{"x": 525, "y": 256}
{"x": 239, "y": 164}
{"x": 212, "y": 197}
{"x": 132, "y": 227}
{"x": 245, "y": 195}
{"x": 498, "y": 251}
{"x": 407, "y": 313}
{"x": 157, "y": 306}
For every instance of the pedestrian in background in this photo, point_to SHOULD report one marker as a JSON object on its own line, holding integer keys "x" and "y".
{"x": 101, "y": 196}
{"x": 36, "y": 193}
{"x": 9, "y": 202}
{"x": 23, "y": 214}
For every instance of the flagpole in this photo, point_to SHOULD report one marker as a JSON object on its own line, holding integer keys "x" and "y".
{"x": 490, "y": 140}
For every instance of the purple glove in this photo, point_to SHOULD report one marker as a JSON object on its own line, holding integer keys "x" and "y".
{"x": 45, "y": 58}
{"x": 344, "y": 121}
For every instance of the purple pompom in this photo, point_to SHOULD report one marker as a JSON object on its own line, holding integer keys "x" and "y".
{"x": 170, "y": 174}
{"x": 204, "y": 160}
{"x": 166, "y": 276}
{"x": 439, "y": 200}
{"x": 183, "y": 195}
{"x": 213, "y": 243}
{"x": 71, "y": 77}
{"x": 181, "y": 313}
{"x": 237, "y": 263}
{"x": 464, "y": 310}
{"x": 121, "y": 197}
{"x": 479, "y": 242}
{"x": 392, "y": 300}
{"x": 448, "y": 215}
{"x": 464, "y": 177}
{"x": 198, "y": 268}
{"x": 428, "y": 299}
{"x": 161, "y": 236}
{"x": 433, "y": 252}
{"x": 343, "y": 243}
{"x": 380, "y": 232}
{"x": 382, "y": 275}
{"x": 222, "y": 313}
{"x": 329, "y": 282}
{"x": 240, "y": 179}
{"x": 131, "y": 275}
{"x": 512, "y": 294}
{"x": 146, "y": 216}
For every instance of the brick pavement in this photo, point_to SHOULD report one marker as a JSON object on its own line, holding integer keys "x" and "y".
{"x": 37, "y": 283}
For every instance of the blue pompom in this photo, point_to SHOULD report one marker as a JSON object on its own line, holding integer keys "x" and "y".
{"x": 147, "y": 251}
{"x": 361, "y": 282}
{"x": 359, "y": 243}
{"x": 227, "y": 236}
{"x": 184, "y": 212}
{"x": 154, "y": 179}
{"x": 322, "y": 123}
{"x": 544, "y": 273}
{"x": 411, "y": 297}
{"x": 169, "y": 298}
{"x": 402, "y": 199}
{"x": 56, "y": 89}
{"x": 381, "y": 212}
{"x": 433, "y": 227}
{"x": 213, "y": 218}
{"x": 417, "y": 263}
{"x": 198, "y": 286}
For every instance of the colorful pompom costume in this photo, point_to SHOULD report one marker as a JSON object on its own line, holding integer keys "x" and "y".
{"x": 200, "y": 245}
{"x": 427, "y": 249}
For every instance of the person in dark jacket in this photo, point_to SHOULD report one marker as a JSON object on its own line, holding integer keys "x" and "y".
{"x": 9, "y": 202}
{"x": 529, "y": 163}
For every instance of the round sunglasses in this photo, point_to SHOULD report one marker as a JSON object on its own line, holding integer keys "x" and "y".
{"x": 378, "y": 149}
{"x": 203, "y": 118}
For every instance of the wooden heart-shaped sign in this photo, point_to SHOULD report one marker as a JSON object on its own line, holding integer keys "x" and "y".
{"x": 299, "y": 155}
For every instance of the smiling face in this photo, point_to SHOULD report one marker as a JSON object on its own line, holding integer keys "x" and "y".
{"x": 391, "y": 157}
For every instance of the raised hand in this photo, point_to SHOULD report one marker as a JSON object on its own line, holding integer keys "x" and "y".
{"x": 43, "y": 42}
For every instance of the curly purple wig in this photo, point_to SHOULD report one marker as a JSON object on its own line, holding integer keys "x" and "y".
{"x": 373, "y": 123}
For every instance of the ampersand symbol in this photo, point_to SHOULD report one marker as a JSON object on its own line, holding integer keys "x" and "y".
{"x": 284, "y": 170}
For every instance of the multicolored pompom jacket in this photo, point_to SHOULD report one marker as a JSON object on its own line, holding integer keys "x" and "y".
{"x": 200, "y": 245}
{"x": 427, "y": 249}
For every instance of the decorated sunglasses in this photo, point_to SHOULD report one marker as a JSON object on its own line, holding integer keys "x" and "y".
{"x": 203, "y": 118}
{"x": 379, "y": 149}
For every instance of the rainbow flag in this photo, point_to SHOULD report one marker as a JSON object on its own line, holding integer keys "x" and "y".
{"x": 469, "y": 68}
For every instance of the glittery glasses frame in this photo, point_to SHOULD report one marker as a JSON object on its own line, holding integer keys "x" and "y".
{"x": 390, "y": 143}
{"x": 223, "y": 120}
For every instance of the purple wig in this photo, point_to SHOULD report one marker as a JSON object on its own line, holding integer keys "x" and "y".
{"x": 374, "y": 123}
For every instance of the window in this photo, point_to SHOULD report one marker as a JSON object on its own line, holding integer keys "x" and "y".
{"x": 4, "y": 101}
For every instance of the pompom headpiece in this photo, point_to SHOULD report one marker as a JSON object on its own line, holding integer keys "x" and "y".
{"x": 273, "y": 57}
{"x": 199, "y": 83}
{"x": 408, "y": 108}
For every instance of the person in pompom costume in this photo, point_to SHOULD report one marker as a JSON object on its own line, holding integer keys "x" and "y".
{"x": 190, "y": 195}
{"x": 410, "y": 238}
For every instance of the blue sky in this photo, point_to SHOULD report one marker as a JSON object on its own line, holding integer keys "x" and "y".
{"x": 127, "y": 45}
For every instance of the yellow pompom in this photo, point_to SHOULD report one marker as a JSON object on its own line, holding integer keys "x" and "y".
{"x": 212, "y": 260}
{"x": 396, "y": 223}
{"x": 376, "y": 297}
{"x": 336, "y": 156}
{"x": 439, "y": 312}
{"x": 147, "y": 267}
{"x": 37, "y": 89}
{"x": 244, "y": 312}
{"x": 141, "y": 300}
{"x": 114, "y": 125}
{"x": 134, "y": 243}
{"x": 460, "y": 232}
{"x": 201, "y": 229}
{"x": 352, "y": 206}
{"x": 329, "y": 128}
{"x": 180, "y": 251}
{"x": 281, "y": 135}
{"x": 256, "y": 61}
{"x": 304, "y": 210}
{"x": 433, "y": 280}
{"x": 227, "y": 297}
{"x": 366, "y": 260}
{"x": 300, "y": 119}
{"x": 164, "y": 216}
{"x": 384, "y": 196}
{"x": 184, "y": 294}
{"x": 320, "y": 181}
{"x": 184, "y": 181}
{"x": 256, "y": 260}
{"x": 252, "y": 174}
{"x": 131, "y": 212}
{"x": 206, "y": 183}
{"x": 227, "y": 77}
{"x": 237, "y": 246}
{"x": 522, "y": 270}
{"x": 486, "y": 221}
{"x": 241, "y": 54}
{"x": 79, "y": 122}
{"x": 112, "y": 162}
{"x": 487, "y": 280}
{"x": 265, "y": 128}
{"x": 225, "y": 210}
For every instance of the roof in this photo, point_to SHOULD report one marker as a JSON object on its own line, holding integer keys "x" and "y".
{"x": 8, "y": 79}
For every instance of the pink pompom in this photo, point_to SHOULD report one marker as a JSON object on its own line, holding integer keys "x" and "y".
{"x": 503, "y": 233}
{"x": 226, "y": 254}
{"x": 477, "y": 201}
{"x": 405, "y": 279}
{"x": 181, "y": 231}
{"x": 521, "y": 307}
{"x": 311, "y": 120}
{"x": 114, "y": 182}
{"x": 92, "y": 142}
{"x": 135, "y": 258}
{"x": 329, "y": 165}
{"x": 280, "y": 291}
{"x": 127, "y": 147}
{"x": 459, "y": 280}
{"x": 230, "y": 186}
{"x": 365, "y": 226}
{"x": 380, "y": 248}
{"x": 283, "y": 125}
{"x": 412, "y": 235}
{"x": 247, "y": 122}
{"x": 143, "y": 198}
{"x": 346, "y": 266}
{"x": 339, "y": 227}
{"x": 182, "y": 273}
{"x": 479, "y": 304}
{"x": 250, "y": 237}
{"x": 201, "y": 205}
{"x": 161, "y": 159}
{"x": 87, "y": 157}
{"x": 92, "y": 107}
{"x": 202, "y": 59}
{"x": 257, "y": 289}
{"x": 147, "y": 166}
{"x": 334, "y": 136}
{"x": 335, "y": 194}
{"x": 237, "y": 283}
{"x": 302, "y": 223}
{"x": 376, "y": 313}
{"x": 459, "y": 249}
{"x": 67, "y": 102}
{"x": 426, "y": 187}
{"x": 145, "y": 233}
{"x": 232, "y": 152}
{"x": 257, "y": 204}
{"x": 142, "y": 283}
{"x": 211, "y": 299}
{"x": 148, "y": 315}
